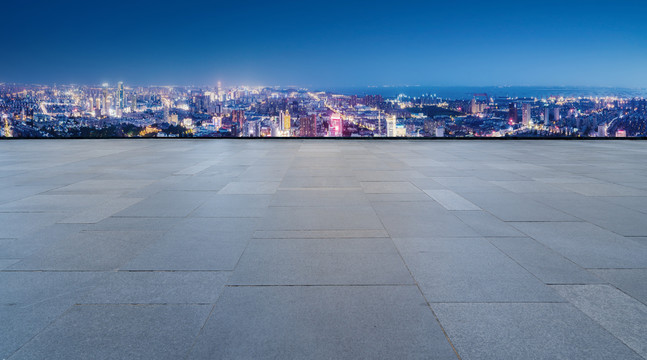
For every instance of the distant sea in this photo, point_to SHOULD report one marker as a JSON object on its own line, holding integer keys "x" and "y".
{"x": 467, "y": 92}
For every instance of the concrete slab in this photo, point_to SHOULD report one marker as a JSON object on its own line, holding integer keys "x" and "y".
{"x": 119, "y": 331}
{"x": 618, "y": 313}
{"x": 527, "y": 331}
{"x": 322, "y": 322}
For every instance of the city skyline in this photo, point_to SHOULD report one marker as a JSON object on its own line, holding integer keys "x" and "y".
{"x": 571, "y": 43}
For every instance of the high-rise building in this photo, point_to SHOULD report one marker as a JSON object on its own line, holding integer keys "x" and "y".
{"x": 390, "y": 125}
{"x": 335, "y": 129}
{"x": 556, "y": 115}
{"x": 238, "y": 117}
{"x": 512, "y": 114}
{"x": 308, "y": 126}
{"x": 121, "y": 101}
{"x": 525, "y": 114}
{"x": 474, "y": 108}
{"x": 546, "y": 115}
{"x": 440, "y": 131}
{"x": 602, "y": 130}
{"x": 285, "y": 120}
{"x": 133, "y": 102}
{"x": 104, "y": 107}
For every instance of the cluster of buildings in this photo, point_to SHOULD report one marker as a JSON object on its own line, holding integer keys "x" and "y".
{"x": 120, "y": 110}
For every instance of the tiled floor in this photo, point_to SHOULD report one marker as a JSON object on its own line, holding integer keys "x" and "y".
{"x": 250, "y": 249}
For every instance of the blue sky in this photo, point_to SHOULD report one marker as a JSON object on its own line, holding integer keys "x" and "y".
{"x": 326, "y": 43}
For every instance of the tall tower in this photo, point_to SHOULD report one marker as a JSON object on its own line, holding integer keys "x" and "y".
{"x": 104, "y": 107}
{"x": 335, "y": 129}
{"x": 285, "y": 120}
{"x": 512, "y": 114}
{"x": 525, "y": 114}
{"x": 121, "y": 103}
{"x": 556, "y": 114}
{"x": 546, "y": 115}
{"x": 390, "y": 126}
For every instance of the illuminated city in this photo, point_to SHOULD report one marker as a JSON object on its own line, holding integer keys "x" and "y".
{"x": 119, "y": 110}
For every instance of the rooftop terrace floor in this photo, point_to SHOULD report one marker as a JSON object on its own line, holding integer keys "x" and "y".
{"x": 226, "y": 249}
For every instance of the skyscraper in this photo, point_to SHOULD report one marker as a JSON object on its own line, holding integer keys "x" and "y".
{"x": 546, "y": 115}
{"x": 512, "y": 114}
{"x": 556, "y": 115}
{"x": 238, "y": 117}
{"x": 285, "y": 121}
{"x": 121, "y": 101}
{"x": 308, "y": 126}
{"x": 525, "y": 114}
{"x": 104, "y": 107}
{"x": 390, "y": 126}
{"x": 335, "y": 129}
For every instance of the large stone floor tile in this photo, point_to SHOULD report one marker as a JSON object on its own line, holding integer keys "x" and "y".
{"x": 420, "y": 219}
{"x": 514, "y": 207}
{"x": 321, "y": 218}
{"x": 250, "y": 188}
{"x": 620, "y": 314}
{"x": 157, "y": 287}
{"x": 632, "y": 281}
{"x": 546, "y": 264}
{"x": 486, "y": 225}
{"x": 119, "y": 332}
{"x": 320, "y": 197}
{"x": 348, "y": 322}
{"x": 321, "y": 262}
{"x": 166, "y": 204}
{"x": 90, "y": 250}
{"x": 527, "y": 331}
{"x": 224, "y": 206}
{"x": 197, "y": 244}
{"x": 469, "y": 270}
{"x": 587, "y": 245}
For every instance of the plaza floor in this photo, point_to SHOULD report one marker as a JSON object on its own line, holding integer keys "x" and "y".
{"x": 252, "y": 249}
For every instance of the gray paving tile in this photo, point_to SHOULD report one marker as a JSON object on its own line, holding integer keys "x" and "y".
{"x": 618, "y": 313}
{"x": 546, "y": 264}
{"x": 469, "y": 270}
{"x": 527, "y": 331}
{"x": 197, "y": 244}
{"x": 388, "y": 187}
{"x": 631, "y": 281}
{"x": 319, "y": 234}
{"x": 588, "y": 245}
{"x": 349, "y": 322}
{"x": 166, "y": 204}
{"x": 250, "y": 188}
{"x": 321, "y": 218}
{"x": 224, "y": 205}
{"x": 54, "y": 203}
{"x": 16, "y": 225}
{"x": 90, "y": 250}
{"x": 319, "y": 197}
{"x": 97, "y": 213}
{"x": 485, "y": 224}
{"x": 38, "y": 238}
{"x": 328, "y": 181}
{"x": 513, "y": 207}
{"x": 419, "y": 219}
{"x": 120, "y": 332}
{"x": 157, "y": 287}
{"x": 321, "y": 262}
{"x": 450, "y": 200}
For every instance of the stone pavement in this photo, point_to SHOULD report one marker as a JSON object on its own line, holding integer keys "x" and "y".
{"x": 260, "y": 249}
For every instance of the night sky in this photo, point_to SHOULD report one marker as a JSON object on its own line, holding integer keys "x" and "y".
{"x": 326, "y": 43}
